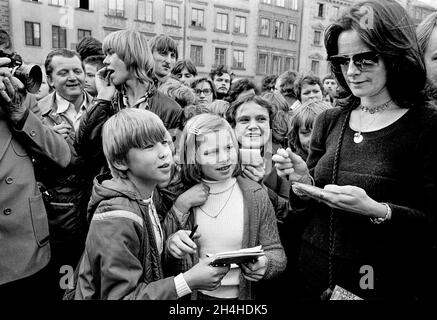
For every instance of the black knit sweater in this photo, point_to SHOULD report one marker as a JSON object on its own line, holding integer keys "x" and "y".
{"x": 396, "y": 165}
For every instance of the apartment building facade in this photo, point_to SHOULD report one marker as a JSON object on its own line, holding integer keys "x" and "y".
{"x": 278, "y": 36}
{"x": 317, "y": 16}
{"x": 4, "y": 15}
{"x": 252, "y": 38}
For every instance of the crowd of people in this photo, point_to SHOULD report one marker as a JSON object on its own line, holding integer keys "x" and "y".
{"x": 132, "y": 169}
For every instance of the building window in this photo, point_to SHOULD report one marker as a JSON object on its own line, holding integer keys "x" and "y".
{"x": 58, "y": 2}
{"x": 149, "y": 11}
{"x": 145, "y": 10}
{"x": 320, "y": 10}
{"x": 293, "y": 5}
{"x": 276, "y": 65}
{"x": 315, "y": 66}
{"x": 196, "y": 55}
{"x": 220, "y": 56}
{"x": 264, "y": 28}
{"x": 280, "y": 3}
{"x": 289, "y": 63}
{"x": 266, "y": 1}
{"x": 83, "y": 4}
{"x": 238, "y": 59}
{"x": 197, "y": 17}
{"x": 116, "y": 8}
{"x": 172, "y": 15}
{"x": 262, "y": 62}
{"x": 82, "y": 33}
{"x": 292, "y": 28}
{"x": 59, "y": 37}
{"x": 279, "y": 30}
{"x": 221, "y": 22}
{"x": 335, "y": 12}
{"x": 240, "y": 25}
{"x": 32, "y": 33}
{"x": 317, "y": 38}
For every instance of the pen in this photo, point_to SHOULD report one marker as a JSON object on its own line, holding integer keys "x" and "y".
{"x": 193, "y": 231}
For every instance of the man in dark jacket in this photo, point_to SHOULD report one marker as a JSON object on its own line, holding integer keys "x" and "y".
{"x": 66, "y": 191}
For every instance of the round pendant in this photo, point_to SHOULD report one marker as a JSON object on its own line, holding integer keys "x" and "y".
{"x": 358, "y": 137}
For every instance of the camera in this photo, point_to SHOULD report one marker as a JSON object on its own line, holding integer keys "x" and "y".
{"x": 29, "y": 74}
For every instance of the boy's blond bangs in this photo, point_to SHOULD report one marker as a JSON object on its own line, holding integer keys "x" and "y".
{"x": 130, "y": 128}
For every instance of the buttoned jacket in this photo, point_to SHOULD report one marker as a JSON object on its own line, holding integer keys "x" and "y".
{"x": 24, "y": 233}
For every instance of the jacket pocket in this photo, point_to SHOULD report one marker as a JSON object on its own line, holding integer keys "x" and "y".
{"x": 39, "y": 220}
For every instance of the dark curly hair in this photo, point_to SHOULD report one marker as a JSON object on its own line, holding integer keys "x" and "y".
{"x": 392, "y": 35}
{"x": 268, "y": 83}
{"x": 239, "y": 87}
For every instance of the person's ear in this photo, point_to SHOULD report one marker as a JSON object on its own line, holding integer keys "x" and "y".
{"x": 120, "y": 165}
{"x": 50, "y": 81}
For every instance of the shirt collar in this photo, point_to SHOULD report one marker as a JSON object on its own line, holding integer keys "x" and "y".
{"x": 64, "y": 104}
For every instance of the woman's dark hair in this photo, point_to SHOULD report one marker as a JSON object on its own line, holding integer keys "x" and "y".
{"x": 239, "y": 87}
{"x": 308, "y": 79}
{"x": 204, "y": 79}
{"x": 386, "y": 28}
{"x": 180, "y": 65}
{"x": 231, "y": 113}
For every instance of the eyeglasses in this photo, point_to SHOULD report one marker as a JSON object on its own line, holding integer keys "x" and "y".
{"x": 206, "y": 91}
{"x": 363, "y": 60}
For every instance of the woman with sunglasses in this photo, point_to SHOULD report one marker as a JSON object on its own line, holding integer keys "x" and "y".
{"x": 369, "y": 225}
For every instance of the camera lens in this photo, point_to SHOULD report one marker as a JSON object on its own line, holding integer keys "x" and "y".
{"x": 30, "y": 75}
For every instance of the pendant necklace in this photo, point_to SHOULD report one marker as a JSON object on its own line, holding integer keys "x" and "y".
{"x": 224, "y": 206}
{"x": 358, "y": 137}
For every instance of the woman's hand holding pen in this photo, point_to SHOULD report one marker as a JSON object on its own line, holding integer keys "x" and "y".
{"x": 290, "y": 165}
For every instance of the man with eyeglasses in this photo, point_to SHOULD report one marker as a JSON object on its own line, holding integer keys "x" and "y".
{"x": 204, "y": 91}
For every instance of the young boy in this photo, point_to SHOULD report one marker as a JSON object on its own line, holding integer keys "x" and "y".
{"x": 91, "y": 65}
{"x": 122, "y": 258}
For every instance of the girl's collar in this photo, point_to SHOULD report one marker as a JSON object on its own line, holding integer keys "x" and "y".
{"x": 216, "y": 187}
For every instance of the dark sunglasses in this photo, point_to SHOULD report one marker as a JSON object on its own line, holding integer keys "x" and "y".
{"x": 205, "y": 91}
{"x": 363, "y": 61}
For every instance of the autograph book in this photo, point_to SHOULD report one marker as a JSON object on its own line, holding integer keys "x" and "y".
{"x": 237, "y": 257}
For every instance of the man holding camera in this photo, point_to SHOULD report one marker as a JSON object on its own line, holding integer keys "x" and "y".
{"x": 24, "y": 233}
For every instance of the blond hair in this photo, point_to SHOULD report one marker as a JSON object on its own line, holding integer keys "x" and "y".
{"x": 218, "y": 107}
{"x": 131, "y": 47}
{"x": 128, "y": 129}
{"x": 193, "y": 136}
